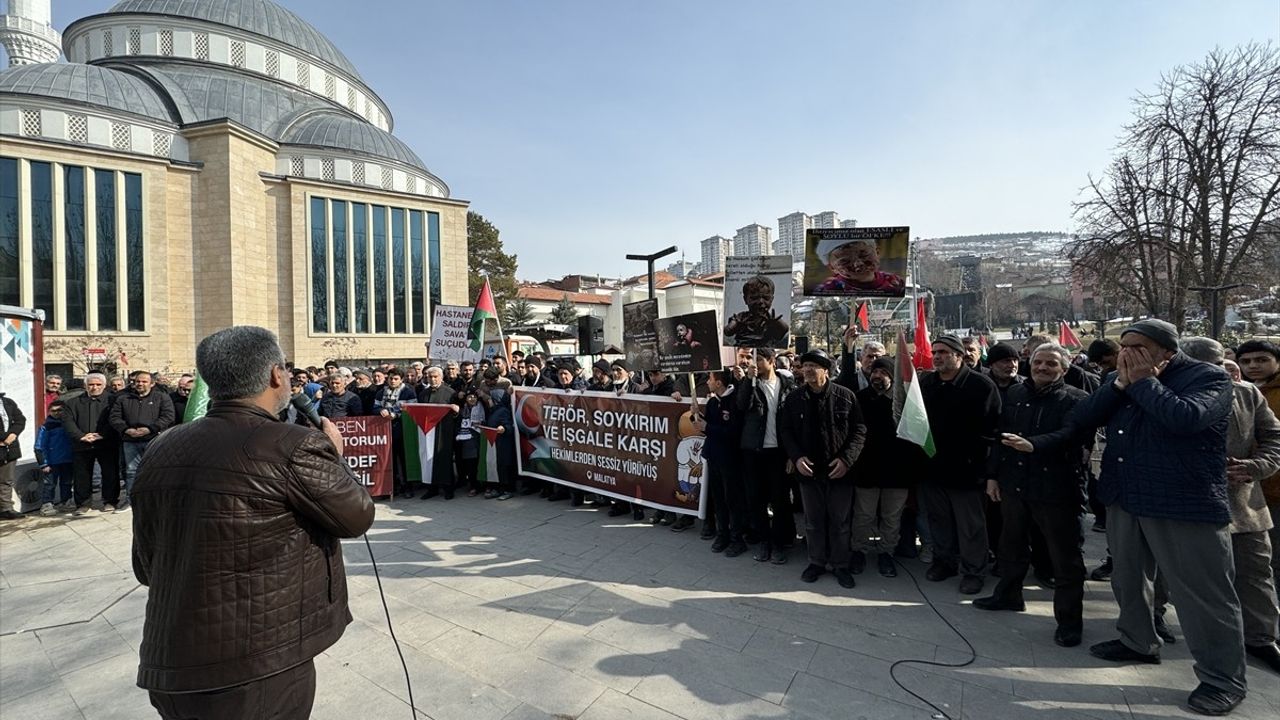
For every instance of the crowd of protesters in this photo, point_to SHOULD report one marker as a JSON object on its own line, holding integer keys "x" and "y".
{"x": 1171, "y": 444}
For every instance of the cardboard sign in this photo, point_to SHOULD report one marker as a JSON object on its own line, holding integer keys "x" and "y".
{"x": 640, "y": 449}
{"x": 862, "y": 262}
{"x": 366, "y": 449}
{"x": 689, "y": 343}
{"x": 757, "y": 301}
{"x": 639, "y": 337}
{"x": 449, "y": 334}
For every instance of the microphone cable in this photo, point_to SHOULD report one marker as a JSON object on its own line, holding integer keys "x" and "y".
{"x": 304, "y": 408}
{"x": 939, "y": 713}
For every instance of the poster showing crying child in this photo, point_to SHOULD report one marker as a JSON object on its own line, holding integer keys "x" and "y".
{"x": 862, "y": 262}
{"x": 757, "y": 301}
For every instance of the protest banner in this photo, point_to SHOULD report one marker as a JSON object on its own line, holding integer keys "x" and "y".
{"x": 635, "y": 448}
{"x": 862, "y": 262}
{"x": 689, "y": 343}
{"x": 366, "y": 443}
{"x": 757, "y": 301}
{"x": 639, "y": 338}
{"x": 449, "y": 341}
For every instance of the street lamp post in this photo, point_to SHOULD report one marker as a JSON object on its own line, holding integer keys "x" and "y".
{"x": 651, "y": 259}
{"x": 826, "y": 311}
{"x": 1215, "y": 325}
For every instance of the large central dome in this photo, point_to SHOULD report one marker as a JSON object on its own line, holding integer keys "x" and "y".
{"x": 260, "y": 17}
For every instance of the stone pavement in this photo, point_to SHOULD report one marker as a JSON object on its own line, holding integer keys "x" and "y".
{"x": 529, "y": 609}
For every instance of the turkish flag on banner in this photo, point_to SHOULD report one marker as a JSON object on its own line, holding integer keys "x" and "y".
{"x": 1067, "y": 338}
{"x": 864, "y": 321}
{"x": 922, "y": 358}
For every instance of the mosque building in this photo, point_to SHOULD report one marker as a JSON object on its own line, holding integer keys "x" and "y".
{"x": 194, "y": 165}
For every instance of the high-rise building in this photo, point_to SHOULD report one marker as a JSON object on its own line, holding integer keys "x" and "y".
{"x": 827, "y": 219}
{"x": 714, "y": 250}
{"x": 848, "y": 223}
{"x": 754, "y": 239}
{"x": 791, "y": 234}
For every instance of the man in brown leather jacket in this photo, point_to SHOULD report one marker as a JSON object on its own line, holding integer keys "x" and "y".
{"x": 236, "y": 527}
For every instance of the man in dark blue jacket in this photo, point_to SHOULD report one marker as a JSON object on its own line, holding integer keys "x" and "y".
{"x": 728, "y": 491}
{"x": 1164, "y": 482}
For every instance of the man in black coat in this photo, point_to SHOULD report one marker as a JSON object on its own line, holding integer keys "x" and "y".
{"x": 963, "y": 408}
{"x": 12, "y": 424}
{"x": 87, "y": 422}
{"x": 822, "y": 431}
{"x": 885, "y": 472}
{"x": 435, "y": 391}
{"x": 1036, "y": 474}
{"x": 759, "y": 399}
{"x": 138, "y": 417}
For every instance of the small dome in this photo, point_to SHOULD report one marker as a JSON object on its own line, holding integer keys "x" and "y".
{"x": 335, "y": 130}
{"x": 260, "y": 17}
{"x": 88, "y": 85}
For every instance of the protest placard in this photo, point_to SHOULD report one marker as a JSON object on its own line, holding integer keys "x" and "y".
{"x": 366, "y": 449}
{"x": 449, "y": 334}
{"x": 639, "y": 449}
{"x": 689, "y": 343}
{"x": 639, "y": 338}
{"x": 757, "y": 301}
{"x": 862, "y": 262}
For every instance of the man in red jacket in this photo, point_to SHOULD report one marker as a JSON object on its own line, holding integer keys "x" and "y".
{"x": 236, "y": 527}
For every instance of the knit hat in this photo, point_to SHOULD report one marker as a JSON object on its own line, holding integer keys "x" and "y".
{"x": 884, "y": 363}
{"x": 620, "y": 363}
{"x": 818, "y": 357}
{"x": 950, "y": 341}
{"x": 829, "y": 245}
{"x": 1163, "y": 333}
{"x": 602, "y": 365}
{"x": 1001, "y": 351}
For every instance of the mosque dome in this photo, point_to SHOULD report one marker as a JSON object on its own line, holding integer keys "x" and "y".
{"x": 88, "y": 85}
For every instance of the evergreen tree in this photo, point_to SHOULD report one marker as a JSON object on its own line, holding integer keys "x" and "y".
{"x": 486, "y": 258}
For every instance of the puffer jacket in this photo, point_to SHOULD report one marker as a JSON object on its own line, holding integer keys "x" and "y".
{"x": 1166, "y": 454}
{"x": 1054, "y": 472}
{"x": 235, "y": 531}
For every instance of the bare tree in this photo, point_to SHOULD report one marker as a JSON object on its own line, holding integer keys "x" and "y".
{"x": 1192, "y": 193}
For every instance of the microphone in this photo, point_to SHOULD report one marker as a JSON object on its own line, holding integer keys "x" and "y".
{"x": 302, "y": 404}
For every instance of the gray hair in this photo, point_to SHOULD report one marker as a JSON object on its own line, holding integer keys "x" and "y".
{"x": 1206, "y": 350}
{"x": 97, "y": 375}
{"x": 236, "y": 363}
{"x": 873, "y": 345}
{"x": 52, "y": 376}
{"x": 433, "y": 370}
{"x": 1064, "y": 357}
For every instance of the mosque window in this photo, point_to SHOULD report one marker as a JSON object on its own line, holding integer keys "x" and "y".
{"x": 297, "y": 167}
{"x": 330, "y": 86}
{"x": 237, "y": 53}
{"x": 134, "y": 44}
{"x": 162, "y": 143}
{"x": 108, "y": 43}
{"x": 200, "y": 44}
{"x": 411, "y": 184}
{"x": 77, "y": 128}
{"x": 304, "y": 74}
{"x": 326, "y": 169}
{"x": 357, "y": 173}
{"x": 273, "y": 63}
{"x": 351, "y": 98}
{"x": 121, "y": 136}
{"x": 31, "y": 122}
{"x": 166, "y": 42}
{"x": 388, "y": 178}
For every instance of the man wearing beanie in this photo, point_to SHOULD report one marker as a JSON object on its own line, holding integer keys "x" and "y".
{"x": 963, "y": 407}
{"x": 1164, "y": 481}
{"x": 886, "y": 470}
{"x": 1002, "y": 364}
{"x": 822, "y": 432}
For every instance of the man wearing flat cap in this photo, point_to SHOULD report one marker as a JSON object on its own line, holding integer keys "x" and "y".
{"x": 964, "y": 408}
{"x": 822, "y": 432}
{"x": 1164, "y": 481}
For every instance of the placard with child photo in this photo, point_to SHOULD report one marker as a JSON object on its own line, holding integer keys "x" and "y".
{"x": 757, "y": 301}
{"x": 862, "y": 262}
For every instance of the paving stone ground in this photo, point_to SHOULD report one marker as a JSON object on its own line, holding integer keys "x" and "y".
{"x": 529, "y": 609}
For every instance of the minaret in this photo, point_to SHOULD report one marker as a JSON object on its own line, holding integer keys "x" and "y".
{"x": 27, "y": 35}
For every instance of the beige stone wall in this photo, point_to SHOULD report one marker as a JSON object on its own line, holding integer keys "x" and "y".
{"x": 227, "y": 243}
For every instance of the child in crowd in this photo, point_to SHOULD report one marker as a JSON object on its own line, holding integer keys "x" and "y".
{"x": 53, "y": 452}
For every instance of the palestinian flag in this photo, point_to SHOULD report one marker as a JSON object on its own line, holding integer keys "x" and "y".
{"x": 198, "y": 403}
{"x": 913, "y": 420}
{"x": 485, "y": 309}
{"x": 418, "y": 424}
{"x": 1066, "y": 337}
{"x": 487, "y": 470}
{"x": 982, "y": 343}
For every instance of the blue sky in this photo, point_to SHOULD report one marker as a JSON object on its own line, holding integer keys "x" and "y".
{"x": 589, "y": 129}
